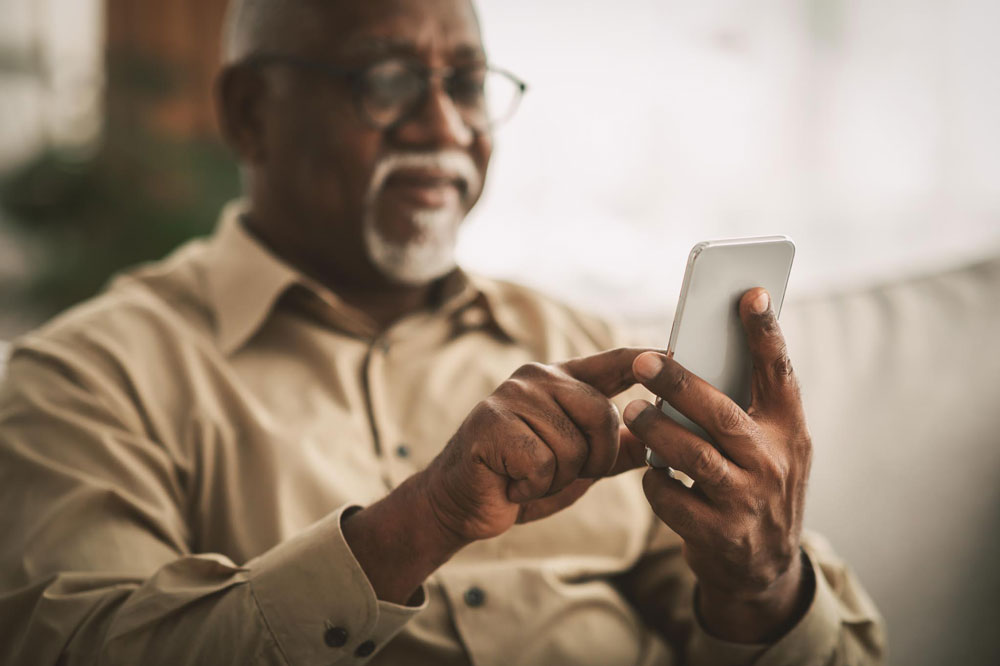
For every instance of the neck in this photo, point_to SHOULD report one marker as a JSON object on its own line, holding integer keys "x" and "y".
{"x": 372, "y": 293}
{"x": 386, "y": 305}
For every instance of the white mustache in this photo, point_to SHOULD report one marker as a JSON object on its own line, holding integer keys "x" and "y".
{"x": 455, "y": 163}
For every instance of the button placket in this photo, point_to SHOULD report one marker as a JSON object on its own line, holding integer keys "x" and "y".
{"x": 394, "y": 465}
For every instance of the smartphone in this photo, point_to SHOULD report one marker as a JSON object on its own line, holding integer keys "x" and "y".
{"x": 707, "y": 336}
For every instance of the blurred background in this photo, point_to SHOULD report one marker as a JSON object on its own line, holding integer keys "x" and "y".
{"x": 866, "y": 130}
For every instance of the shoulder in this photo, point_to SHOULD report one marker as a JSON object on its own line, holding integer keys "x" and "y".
{"x": 558, "y": 328}
{"x": 143, "y": 316}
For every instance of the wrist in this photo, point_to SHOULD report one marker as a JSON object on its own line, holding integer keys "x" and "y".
{"x": 762, "y": 617}
{"x": 399, "y": 542}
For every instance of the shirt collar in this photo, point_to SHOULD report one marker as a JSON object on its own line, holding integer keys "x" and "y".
{"x": 246, "y": 281}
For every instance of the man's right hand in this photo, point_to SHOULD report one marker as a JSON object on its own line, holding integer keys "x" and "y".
{"x": 530, "y": 449}
{"x": 534, "y": 446}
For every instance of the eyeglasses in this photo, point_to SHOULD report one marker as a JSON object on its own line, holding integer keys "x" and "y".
{"x": 391, "y": 91}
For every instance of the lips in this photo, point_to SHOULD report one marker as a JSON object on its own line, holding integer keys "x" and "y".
{"x": 428, "y": 188}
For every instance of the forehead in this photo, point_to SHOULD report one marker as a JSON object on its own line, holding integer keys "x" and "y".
{"x": 356, "y": 29}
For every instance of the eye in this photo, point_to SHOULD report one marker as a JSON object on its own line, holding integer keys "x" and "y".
{"x": 468, "y": 86}
{"x": 390, "y": 83}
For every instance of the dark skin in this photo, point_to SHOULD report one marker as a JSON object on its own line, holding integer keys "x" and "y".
{"x": 549, "y": 432}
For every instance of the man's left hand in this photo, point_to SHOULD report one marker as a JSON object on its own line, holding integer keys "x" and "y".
{"x": 742, "y": 520}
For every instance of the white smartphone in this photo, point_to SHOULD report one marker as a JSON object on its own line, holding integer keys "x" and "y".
{"x": 707, "y": 337}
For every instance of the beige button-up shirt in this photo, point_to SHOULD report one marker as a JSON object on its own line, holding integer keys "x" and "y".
{"x": 176, "y": 454}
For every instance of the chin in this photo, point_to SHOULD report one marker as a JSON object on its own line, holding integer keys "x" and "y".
{"x": 429, "y": 254}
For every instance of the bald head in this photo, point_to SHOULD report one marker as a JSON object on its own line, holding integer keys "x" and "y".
{"x": 266, "y": 25}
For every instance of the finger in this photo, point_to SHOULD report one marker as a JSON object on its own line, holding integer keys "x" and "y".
{"x": 680, "y": 448}
{"x": 526, "y": 461}
{"x": 631, "y": 453}
{"x": 683, "y": 510}
{"x": 725, "y": 421}
{"x": 554, "y": 428}
{"x": 774, "y": 380}
{"x": 546, "y": 506}
{"x": 592, "y": 415}
{"x": 609, "y": 372}
{"x": 596, "y": 418}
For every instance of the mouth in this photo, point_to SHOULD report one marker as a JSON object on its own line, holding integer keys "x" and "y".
{"x": 426, "y": 188}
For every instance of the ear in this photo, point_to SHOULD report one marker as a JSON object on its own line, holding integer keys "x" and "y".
{"x": 239, "y": 102}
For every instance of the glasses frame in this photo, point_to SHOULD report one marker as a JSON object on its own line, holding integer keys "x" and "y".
{"x": 354, "y": 76}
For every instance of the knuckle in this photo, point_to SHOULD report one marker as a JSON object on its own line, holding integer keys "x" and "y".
{"x": 488, "y": 411}
{"x": 729, "y": 418}
{"x": 767, "y": 324}
{"x": 533, "y": 371}
{"x": 705, "y": 465}
{"x": 678, "y": 380}
{"x": 543, "y": 462}
{"x": 513, "y": 388}
{"x": 781, "y": 367}
{"x": 776, "y": 468}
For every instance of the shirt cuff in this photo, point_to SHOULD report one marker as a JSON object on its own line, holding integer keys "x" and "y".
{"x": 317, "y": 601}
{"x": 811, "y": 640}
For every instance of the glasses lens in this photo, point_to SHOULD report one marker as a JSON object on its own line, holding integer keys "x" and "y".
{"x": 389, "y": 90}
{"x": 392, "y": 90}
{"x": 484, "y": 97}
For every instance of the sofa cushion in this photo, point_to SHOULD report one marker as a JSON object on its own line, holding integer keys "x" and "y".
{"x": 902, "y": 389}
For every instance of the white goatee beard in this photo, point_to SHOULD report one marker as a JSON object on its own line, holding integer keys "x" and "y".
{"x": 430, "y": 253}
{"x": 429, "y": 256}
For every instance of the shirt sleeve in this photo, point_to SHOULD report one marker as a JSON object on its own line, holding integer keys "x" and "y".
{"x": 840, "y": 627}
{"x": 95, "y": 563}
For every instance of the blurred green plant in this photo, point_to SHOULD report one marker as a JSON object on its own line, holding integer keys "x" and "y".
{"x": 137, "y": 197}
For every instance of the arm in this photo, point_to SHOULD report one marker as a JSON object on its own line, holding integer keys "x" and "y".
{"x": 97, "y": 562}
{"x": 95, "y": 559}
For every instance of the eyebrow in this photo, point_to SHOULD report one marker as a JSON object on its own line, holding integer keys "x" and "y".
{"x": 387, "y": 46}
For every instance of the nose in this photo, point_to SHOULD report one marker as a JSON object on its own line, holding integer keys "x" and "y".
{"x": 437, "y": 123}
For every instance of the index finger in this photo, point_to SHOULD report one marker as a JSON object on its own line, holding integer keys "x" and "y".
{"x": 609, "y": 372}
{"x": 773, "y": 377}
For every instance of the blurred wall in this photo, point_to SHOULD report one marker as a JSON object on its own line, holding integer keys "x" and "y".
{"x": 866, "y": 130}
{"x": 184, "y": 34}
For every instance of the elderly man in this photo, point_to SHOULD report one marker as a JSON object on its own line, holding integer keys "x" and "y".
{"x": 312, "y": 439}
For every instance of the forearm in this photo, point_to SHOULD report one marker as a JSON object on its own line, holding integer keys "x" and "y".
{"x": 398, "y": 542}
{"x": 204, "y": 609}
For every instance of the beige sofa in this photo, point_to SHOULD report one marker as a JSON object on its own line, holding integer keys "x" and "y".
{"x": 902, "y": 388}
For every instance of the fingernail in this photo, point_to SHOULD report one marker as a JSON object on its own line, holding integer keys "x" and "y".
{"x": 760, "y": 304}
{"x": 633, "y": 410}
{"x": 648, "y": 366}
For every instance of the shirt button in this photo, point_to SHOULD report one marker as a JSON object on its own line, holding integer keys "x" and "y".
{"x": 365, "y": 649}
{"x": 403, "y": 451}
{"x": 475, "y": 597}
{"x": 335, "y": 637}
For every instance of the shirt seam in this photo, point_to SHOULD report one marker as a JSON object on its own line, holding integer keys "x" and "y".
{"x": 267, "y": 625}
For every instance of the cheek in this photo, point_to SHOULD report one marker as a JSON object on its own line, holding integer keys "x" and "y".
{"x": 325, "y": 158}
